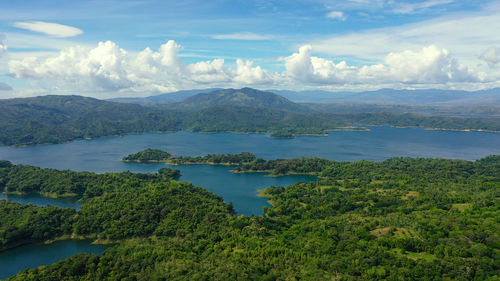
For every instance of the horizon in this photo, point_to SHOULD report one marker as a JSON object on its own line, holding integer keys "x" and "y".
{"x": 137, "y": 48}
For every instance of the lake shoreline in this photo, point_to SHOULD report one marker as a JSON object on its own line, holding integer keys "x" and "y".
{"x": 362, "y": 128}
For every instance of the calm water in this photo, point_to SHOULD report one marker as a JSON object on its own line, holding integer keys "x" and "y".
{"x": 43, "y": 201}
{"x": 104, "y": 154}
{"x": 30, "y": 256}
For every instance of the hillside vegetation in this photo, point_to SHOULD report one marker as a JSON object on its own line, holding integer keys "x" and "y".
{"x": 56, "y": 119}
{"x": 400, "y": 219}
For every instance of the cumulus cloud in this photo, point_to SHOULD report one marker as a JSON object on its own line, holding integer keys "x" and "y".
{"x": 306, "y": 68}
{"x": 108, "y": 67}
{"x": 336, "y": 15}
{"x": 491, "y": 56}
{"x": 430, "y": 65}
{"x": 247, "y": 74}
{"x": 103, "y": 67}
{"x": 49, "y": 28}
{"x": 463, "y": 35}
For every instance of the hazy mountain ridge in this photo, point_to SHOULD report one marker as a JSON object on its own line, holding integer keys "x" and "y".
{"x": 383, "y": 96}
{"x": 393, "y": 96}
{"x": 56, "y": 119}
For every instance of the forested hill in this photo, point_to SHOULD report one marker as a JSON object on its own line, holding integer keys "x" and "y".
{"x": 239, "y": 97}
{"x": 400, "y": 219}
{"x": 56, "y": 119}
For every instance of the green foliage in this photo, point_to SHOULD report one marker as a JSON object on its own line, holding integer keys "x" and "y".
{"x": 56, "y": 119}
{"x": 22, "y": 224}
{"x": 400, "y": 219}
{"x": 245, "y": 97}
{"x": 172, "y": 208}
{"x": 54, "y": 183}
{"x": 148, "y": 155}
{"x": 215, "y": 159}
{"x": 282, "y": 134}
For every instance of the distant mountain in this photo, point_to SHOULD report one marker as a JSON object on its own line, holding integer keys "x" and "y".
{"x": 392, "y": 96}
{"x": 56, "y": 119}
{"x": 164, "y": 98}
{"x": 239, "y": 97}
{"x": 490, "y": 97}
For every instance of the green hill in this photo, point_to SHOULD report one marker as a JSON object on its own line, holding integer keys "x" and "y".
{"x": 239, "y": 97}
{"x": 56, "y": 119}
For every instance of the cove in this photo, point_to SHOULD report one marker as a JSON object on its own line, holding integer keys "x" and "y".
{"x": 35, "y": 255}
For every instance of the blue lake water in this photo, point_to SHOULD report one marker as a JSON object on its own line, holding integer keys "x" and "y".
{"x": 104, "y": 154}
{"x": 30, "y": 256}
{"x": 39, "y": 200}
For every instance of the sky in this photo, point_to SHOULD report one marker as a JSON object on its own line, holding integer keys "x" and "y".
{"x": 131, "y": 48}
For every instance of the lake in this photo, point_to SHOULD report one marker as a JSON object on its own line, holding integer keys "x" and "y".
{"x": 104, "y": 154}
{"x": 39, "y": 200}
{"x": 34, "y": 255}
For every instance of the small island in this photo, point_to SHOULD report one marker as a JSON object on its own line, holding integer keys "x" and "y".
{"x": 148, "y": 155}
{"x": 244, "y": 162}
{"x": 156, "y": 155}
{"x": 282, "y": 135}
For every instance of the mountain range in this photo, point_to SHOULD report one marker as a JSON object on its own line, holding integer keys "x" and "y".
{"x": 434, "y": 97}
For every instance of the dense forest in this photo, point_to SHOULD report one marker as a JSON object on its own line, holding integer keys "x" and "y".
{"x": 56, "y": 119}
{"x": 22, "y": 179}
{"x": 148, "y": 155}
{"x": 153, "y": 155}
{"x": 400, "y": 219}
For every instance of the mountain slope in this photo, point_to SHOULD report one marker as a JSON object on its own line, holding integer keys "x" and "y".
{"x": 239, "y": 97}
{"x": 164, "y": 98}
{"x": 54, "y": 119}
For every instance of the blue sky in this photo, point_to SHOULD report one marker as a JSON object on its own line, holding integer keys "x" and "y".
{"x": 137, "y": 48}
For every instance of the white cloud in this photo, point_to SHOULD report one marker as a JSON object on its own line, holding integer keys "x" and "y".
{"x": 242, "y": 36}
{"x": 491, "y": 56}
{"x": 49, "y": 28}
{"x": 109, "y": 68}
{"x": 406, "y": 8}
{"x": 247, "y": 74}
{"x": 336, "y": 15}
{"x": 304, "y": 67}
{"x": 465, "y": 35}
{"x": 102, "y": 67}
{"x": 430, "y": 65}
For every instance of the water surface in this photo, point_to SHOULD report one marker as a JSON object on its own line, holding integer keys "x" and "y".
{"x": 34, "y": 255}
{"x": 39, "y": 200}
{"x": 104, "y": 154}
